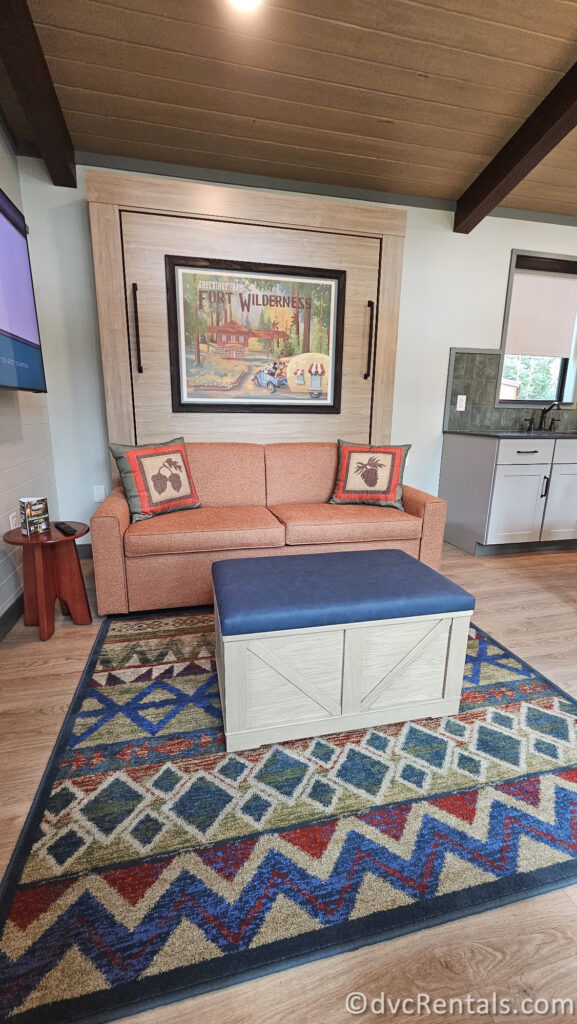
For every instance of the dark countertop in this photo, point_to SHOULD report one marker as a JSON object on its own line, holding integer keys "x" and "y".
{"x": 553, "y": 435}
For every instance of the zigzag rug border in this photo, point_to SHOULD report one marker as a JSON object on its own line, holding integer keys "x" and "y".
{"x": 185, "y": 982}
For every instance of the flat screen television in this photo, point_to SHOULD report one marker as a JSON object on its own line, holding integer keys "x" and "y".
{"x": 21, "y": 363}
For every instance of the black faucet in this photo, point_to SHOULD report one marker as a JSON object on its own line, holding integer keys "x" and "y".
{"x": 543, "y": 416}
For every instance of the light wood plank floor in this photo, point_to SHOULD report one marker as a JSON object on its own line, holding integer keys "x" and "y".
{"x": 526, "y": 950}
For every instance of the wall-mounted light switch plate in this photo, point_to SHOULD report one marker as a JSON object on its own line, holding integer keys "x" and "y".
{"x": 461, "y": 403}
{"x": 98, "y": 492}
{"x": 14, "y": 520}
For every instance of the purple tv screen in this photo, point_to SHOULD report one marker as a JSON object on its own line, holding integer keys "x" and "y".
{"x": 21, "y": 363}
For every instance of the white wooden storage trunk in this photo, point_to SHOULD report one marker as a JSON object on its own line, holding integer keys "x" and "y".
{"x": 295, "y": 683}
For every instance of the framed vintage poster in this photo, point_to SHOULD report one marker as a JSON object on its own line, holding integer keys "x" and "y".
{"x": 254, "y": 337}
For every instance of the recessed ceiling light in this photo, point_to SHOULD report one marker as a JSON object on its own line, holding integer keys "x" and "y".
{"x": 246, "y": 5}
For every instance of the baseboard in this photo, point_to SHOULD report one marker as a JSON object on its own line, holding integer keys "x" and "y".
{"x": 528, "y": 546}
{"x": 84, "y": 550}
{"x": 10, "y": 617}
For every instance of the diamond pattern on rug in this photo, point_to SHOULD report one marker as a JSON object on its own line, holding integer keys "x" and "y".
{"x": 146, "y": 830}
{"x": 499, "y": 746}
{"x": 555, "y": 727}
{"x": 413, "y": 776}
{"x": 60, "y": 800}
{"x": 256, "y": 808}
{"x": 425, "y": 746}
{"x": 111, "y": 806}
{"x": 202, "y": 804}
{"x": 282, "y": 772}
{"x": 322, "y": 751}
{"x": 65, "y": 848}
{"x": 363, "y": 773}
{"x": 322, "y": 793}
{"x": 156, "y": 851}
{"x": 167, "y": 780}
{"x": 354, "y": 770}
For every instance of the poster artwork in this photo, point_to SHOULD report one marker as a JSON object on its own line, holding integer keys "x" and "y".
{"x": 268, "y": 338}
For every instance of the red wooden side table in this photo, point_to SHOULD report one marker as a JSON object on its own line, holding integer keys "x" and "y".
{"x": 52, "y": 570}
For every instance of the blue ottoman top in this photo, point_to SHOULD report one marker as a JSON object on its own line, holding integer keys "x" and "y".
{"x": 259, "y": 595}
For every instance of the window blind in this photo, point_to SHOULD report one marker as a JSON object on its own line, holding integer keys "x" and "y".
{"x": 542, "y": 314}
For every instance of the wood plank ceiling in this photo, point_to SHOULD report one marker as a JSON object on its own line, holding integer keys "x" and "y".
{"x": 404, "y": 96}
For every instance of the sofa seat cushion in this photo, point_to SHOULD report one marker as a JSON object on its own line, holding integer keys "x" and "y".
{"x": 205, "y": 529}
{"x": 341, "y": 524}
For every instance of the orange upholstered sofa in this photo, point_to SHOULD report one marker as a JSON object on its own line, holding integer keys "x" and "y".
{"x": 256, "y": 500}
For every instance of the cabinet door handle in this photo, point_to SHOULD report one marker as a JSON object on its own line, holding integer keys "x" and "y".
{"x": 545, "y": 488}
{"x": 371, "y": 306}
{"x": 534, "y": 451}
{"x": 137, "y": 328}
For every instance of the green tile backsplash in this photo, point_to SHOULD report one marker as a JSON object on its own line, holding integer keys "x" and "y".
{"x": 475, "y": 375}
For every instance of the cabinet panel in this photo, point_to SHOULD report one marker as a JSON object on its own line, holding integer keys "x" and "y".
{"x": 565, "y": 450}
{"x": 560, "y": 522}
{"x": 148, "y": 237}
{"x": 520, "y": 451}
{"x": 517, "y": 504}
{"x": 466, "y": 482}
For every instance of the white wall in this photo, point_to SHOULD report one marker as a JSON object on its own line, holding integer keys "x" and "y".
{"x": 25, "y": 450}
{"x": 61, "y": 258}
{"x": 453, "y": 294}
{"x": 9, "y": 180}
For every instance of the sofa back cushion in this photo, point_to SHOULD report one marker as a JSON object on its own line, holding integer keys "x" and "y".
{"x": 299, "y": 473}
{"x": 226, "y": 473}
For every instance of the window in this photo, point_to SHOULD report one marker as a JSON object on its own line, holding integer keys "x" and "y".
{"x": 528, "y": 378}
{"x": 540, "y": 330}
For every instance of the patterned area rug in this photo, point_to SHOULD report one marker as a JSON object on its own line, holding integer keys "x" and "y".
{"x": 153, "y": 865}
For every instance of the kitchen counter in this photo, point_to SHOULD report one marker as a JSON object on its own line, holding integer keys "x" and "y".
{"x": 554, "y": 435}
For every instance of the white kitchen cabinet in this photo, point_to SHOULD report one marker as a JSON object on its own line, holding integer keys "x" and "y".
{"x": 519, "y": 451}
{"x": 508, "y": 490}
{"x": 517, "y": 504}
{"x": 560, "y": 522}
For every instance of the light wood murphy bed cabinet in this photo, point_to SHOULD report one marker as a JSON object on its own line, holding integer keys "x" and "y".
{"x": 136, "y": 221}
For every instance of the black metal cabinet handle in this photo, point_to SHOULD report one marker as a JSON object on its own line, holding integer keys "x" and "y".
{"x": 136, "y": 328}
{"x": 534, "y": 451}
{"x": 371, "y": 306}
{"x": 545, "y": 488}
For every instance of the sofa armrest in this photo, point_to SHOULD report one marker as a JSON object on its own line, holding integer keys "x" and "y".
{"x": 433, "y": 512}
{"x": 108, "y": 526}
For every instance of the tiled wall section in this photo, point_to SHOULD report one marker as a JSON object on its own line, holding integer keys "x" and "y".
{"x": 475, "y": 375}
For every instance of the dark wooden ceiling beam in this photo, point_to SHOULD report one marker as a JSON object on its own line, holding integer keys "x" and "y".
{"x": 26, "y": 67}
{"x": 544, "y": 129}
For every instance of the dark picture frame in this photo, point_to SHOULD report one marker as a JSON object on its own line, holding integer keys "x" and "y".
{"x": 254, "y": 337}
